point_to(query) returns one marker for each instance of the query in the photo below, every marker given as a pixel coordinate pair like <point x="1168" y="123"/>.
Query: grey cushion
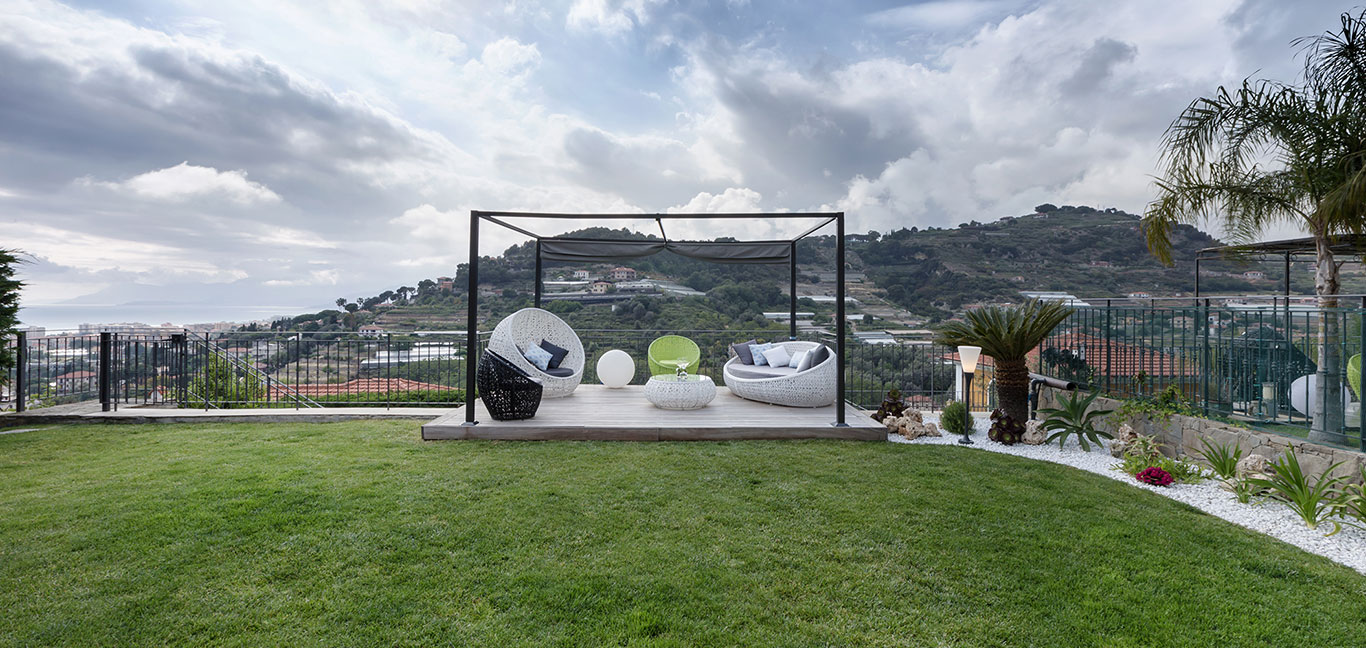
<point x="741" y="350"/>
<point x="819" y="354"/>
<point x="759" y="371"/>
<point x="557" y="354"/>
<point x="560" y="372"/>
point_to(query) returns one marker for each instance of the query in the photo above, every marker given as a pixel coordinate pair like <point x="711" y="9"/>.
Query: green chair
<point x="671" y="348"/>
<point x="1354" y="374"/>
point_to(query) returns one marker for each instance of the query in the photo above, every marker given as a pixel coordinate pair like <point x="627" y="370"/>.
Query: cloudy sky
<point x="261" y="155"/>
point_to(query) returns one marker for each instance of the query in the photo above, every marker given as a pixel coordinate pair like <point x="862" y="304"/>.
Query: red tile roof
<point x="1124" y="359"/>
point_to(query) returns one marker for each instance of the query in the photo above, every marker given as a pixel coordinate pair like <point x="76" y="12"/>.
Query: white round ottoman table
<point x="680" y="392"/>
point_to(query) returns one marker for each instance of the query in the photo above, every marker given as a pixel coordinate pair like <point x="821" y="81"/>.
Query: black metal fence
<point x="1253" y="363"/>
<point x="297" y="369"/>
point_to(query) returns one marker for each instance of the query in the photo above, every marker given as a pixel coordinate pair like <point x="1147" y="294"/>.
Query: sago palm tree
<point x="1008" y="334"/>
<point x="1268" y="154"/>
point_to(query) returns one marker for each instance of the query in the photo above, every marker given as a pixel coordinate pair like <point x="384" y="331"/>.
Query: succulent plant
<point x="893" y="405"/>
<point x="1004" y="428"/>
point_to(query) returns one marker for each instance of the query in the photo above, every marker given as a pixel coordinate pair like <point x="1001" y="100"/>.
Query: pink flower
<point x="1155" y="476"/>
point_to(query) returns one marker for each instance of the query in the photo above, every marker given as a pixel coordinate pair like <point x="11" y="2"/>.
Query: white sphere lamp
<point x="616" y="368"/>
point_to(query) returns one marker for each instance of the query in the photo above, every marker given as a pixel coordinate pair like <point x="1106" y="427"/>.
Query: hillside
<point x="906" y="277"/>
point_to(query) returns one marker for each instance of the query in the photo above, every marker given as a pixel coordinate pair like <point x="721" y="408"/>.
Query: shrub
<point x="1221" y="459"/>
<point x="1314" y="502"/>
<point x="1352" y="501"/>
<point x="1155" y="476"/>
<point x="1075" y="418"/>
<point x="1005" y="429"/>
<point x="1145" y="452"/>
<point x="954" y="420"/>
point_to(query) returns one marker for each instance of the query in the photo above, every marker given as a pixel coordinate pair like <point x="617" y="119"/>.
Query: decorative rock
<point x="1034" y="433"/>
<point x="1123" y="437"/>
<point x="1254" y="466"/>
<point x="911" y="426"/>
<point x="914" y="416"/>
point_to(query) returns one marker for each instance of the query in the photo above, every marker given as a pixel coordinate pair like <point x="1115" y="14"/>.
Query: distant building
<point x="33" y="331"/>
<point x="581" y="274"/>
<point x="1048" y="295"/>
<point x="1254" y="275"/>
<point x="827" y="299"/>
<point x="76" y="380"/>
<point x="783" y="316"/>
<point x="635" y="286"/>
<point x="621" y="273"/>
<point x="371" y="330"/>
<point x="1139" y="295"/>
<point x="445" y="283"/>
<point x="874" y="337"/>
<point x="600" y="287"/>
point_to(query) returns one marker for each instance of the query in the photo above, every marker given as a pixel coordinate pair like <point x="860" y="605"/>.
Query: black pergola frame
<point x="1348" y="247"/>
<point x="498" y="218"/>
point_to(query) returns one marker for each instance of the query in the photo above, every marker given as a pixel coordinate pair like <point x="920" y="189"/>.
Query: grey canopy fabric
<point x="595" y="250"/>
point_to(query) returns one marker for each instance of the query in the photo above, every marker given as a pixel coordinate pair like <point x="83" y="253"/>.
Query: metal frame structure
<point x="501" y="218"/>
<point x="1345" y="247"/>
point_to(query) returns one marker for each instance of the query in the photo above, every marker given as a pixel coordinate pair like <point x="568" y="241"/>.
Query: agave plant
<point x="1314" y="502"/>
<point x="1008" y="334"/>
<point x="1075" y="417"/>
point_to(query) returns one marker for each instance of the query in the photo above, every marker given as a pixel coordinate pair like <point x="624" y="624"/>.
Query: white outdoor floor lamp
<point x="967" y="356"/>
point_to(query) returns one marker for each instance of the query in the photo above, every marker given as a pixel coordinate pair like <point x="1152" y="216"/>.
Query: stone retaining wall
<point x="1181" y="436"/>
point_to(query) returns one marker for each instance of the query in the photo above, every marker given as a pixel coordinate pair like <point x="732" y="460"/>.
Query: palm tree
<point x="1008" y="334"/>
<point x="1268" y="154"/>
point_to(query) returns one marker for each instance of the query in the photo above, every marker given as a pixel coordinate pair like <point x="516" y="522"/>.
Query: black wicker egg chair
<point x="509" y="394"/>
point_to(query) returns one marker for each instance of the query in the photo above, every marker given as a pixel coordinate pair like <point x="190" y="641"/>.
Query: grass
<point x="359" y="534"/>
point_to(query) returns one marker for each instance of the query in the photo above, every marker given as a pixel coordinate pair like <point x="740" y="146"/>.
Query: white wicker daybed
<point x="529" y="326"/>
<point x="814" y="387"/>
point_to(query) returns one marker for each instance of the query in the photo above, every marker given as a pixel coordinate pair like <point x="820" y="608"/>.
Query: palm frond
<point x="1006" y="333"/>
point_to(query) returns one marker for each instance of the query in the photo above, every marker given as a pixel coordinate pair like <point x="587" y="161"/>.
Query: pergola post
<point x="840" y="324"/>
<point x="472" y="321"/>
<point x="792" y="296"/>
<point x="538" y="273"/>
<point x="1287" y="274"/>
<point x="1197" y="276"/>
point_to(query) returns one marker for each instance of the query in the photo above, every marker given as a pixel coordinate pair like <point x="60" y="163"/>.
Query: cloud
<point x="938" y="14"/>
<point x="610" y="17"/>
<point x="732" y="200"/>
<point x="507" y="56"/>
<point x="353" y="139"/>
<point x="185" y="181"/>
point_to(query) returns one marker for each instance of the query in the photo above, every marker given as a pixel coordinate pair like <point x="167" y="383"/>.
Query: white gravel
<point x="1347" y="547"/>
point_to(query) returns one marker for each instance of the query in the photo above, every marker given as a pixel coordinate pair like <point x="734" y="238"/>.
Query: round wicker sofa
<point x="814" y="387"/>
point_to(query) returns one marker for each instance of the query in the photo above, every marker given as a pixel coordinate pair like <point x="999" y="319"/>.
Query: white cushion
<point x="805" y="362"/>
<point x="777" y="357"/>
<point x="796" y="360"/>
<point x="741" y="370"/>
<point x="537" y="356"/>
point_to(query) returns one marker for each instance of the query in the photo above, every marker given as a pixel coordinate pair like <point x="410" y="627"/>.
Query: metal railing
<point x="330" y="369"/>
<point x="1235" y="358"/>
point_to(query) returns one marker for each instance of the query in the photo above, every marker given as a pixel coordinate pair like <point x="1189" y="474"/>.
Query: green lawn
<point x="360" y="534"/>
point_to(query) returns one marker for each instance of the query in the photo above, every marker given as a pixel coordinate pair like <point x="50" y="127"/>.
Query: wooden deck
<point x="594" y="412"/>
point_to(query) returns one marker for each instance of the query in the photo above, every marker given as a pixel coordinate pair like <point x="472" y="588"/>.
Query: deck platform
<point x="594" y="412"/>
